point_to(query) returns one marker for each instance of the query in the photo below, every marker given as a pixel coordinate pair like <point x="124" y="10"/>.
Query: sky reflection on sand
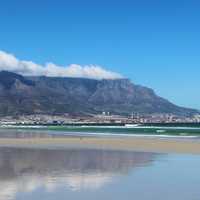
<point x="78" y="174"/>
<point x="26" y="171"/>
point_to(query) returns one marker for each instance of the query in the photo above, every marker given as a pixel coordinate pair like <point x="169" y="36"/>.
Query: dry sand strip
<point x="135" y="144"/>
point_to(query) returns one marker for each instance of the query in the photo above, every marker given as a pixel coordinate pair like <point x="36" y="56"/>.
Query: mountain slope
<point x="47" y="95"/>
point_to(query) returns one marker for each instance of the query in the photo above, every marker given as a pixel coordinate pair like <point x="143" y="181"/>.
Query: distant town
<point x="103" y="118"/>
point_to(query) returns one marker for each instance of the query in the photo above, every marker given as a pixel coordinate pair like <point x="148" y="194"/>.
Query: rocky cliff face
<point x="45" y="95"/>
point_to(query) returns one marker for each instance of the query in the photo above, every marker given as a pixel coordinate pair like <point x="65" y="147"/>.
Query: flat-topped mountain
<point x="51" y="95"/>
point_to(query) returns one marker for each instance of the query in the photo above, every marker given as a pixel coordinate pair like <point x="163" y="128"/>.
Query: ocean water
<point x="182" y="131"/>
<point x="177" y="130"/>
<point x="82" y="174"/>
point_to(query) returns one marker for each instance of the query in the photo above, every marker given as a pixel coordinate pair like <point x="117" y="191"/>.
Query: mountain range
<point x="79" y="96"/>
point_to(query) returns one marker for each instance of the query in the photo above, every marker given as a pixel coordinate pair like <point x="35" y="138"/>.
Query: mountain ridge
<point x="55" y="95"/>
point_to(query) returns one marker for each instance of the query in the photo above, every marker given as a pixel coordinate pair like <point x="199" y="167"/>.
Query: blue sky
<point x="154" y="43"/>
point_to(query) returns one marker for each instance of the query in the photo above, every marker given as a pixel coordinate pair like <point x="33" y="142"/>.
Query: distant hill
<point x="49" y="95"/>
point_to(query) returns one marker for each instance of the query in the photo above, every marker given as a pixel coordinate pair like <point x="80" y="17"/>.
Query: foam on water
<point x="145" y="127"/>
<point x="103" y="134"/>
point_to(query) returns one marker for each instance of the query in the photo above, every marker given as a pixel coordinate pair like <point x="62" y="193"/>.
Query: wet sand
<point x="157" y="145"/>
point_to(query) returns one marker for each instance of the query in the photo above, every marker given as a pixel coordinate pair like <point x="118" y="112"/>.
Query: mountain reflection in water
<point x="26" y="170"/>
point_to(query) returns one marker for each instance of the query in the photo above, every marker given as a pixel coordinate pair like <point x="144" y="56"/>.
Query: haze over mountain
<point x="58" y="95"/>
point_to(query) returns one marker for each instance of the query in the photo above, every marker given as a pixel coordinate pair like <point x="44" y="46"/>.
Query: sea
<point x="180" y="130"/>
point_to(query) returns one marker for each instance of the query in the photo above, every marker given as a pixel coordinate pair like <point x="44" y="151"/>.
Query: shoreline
<point x="156" y="145"/>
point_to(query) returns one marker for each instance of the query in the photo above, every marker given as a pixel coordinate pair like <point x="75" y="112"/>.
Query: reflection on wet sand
<point x="25" y="170"/>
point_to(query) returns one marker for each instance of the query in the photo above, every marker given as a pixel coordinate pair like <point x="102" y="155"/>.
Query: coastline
<point x="157" y="145"/>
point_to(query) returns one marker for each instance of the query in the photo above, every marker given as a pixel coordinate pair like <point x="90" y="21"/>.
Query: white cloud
<point x="10" y="63"/>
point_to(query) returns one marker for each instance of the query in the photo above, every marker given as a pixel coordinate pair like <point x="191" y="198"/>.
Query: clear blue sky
<point x="153" y="42"/>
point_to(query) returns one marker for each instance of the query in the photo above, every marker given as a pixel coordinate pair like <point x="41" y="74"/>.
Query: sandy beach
<point x="158" y="145"/>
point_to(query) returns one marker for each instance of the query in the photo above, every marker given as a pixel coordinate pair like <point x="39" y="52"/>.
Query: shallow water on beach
<point x="38" y="174"/>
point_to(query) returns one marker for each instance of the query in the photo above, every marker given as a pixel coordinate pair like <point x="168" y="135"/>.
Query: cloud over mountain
<point x="28" y="68"/>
